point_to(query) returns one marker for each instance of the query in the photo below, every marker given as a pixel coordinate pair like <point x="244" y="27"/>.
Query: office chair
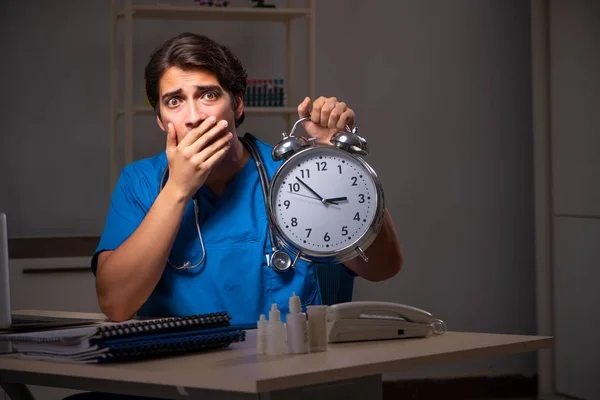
<point x="336" y="283"/>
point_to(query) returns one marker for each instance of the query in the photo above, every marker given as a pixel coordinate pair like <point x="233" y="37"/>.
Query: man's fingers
<point x="303" y="108"/>
<point x="215" y="158"/>
<point x="218" y="130"/>
<point x="198" y="131"/>
<point x="315" y="115"/>
<point x="327" y="113"/>
<point x="171" y="137"/>
<point x="347" y="118"/>
<point x="335" y="115"/>
<point x="217" y="155"/>
<point x="326" y="110"/>
<point x="207" y="152"/>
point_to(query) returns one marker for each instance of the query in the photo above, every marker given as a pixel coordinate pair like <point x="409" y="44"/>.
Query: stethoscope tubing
<point x="264" y="183"/>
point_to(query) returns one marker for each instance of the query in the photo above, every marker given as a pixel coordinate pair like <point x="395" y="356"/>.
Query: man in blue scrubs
<point x="152" y="259"/>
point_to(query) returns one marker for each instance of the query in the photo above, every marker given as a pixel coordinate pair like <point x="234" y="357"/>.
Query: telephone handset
<point x="374" y="320"/>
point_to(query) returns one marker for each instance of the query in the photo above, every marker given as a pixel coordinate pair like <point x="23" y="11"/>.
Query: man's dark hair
<point x="190" y="51"/>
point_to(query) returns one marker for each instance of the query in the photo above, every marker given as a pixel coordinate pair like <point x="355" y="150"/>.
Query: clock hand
<point x="312" y="191"/>
<point x="310" y="197"/>
<point x="334" y="199"/>
<point x="303" y="195"/>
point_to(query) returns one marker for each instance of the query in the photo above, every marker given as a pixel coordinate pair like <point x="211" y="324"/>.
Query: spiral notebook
<point x="130" y="340"/>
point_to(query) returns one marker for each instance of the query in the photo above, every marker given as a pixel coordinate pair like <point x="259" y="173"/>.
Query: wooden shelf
<point x="146" y="110"/>
<point x="271" y="110"/>
<point x="216" y="13"/>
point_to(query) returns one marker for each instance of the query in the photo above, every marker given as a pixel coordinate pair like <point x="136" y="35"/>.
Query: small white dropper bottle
<point x="261" y="335"/>
<point x="297" y="327"/>
<point x="276" y="333"/>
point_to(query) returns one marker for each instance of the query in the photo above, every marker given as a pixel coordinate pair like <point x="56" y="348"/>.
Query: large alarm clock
<point x="325" y="202"/>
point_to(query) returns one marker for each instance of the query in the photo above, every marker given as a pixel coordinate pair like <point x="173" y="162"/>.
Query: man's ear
<point x="160" y="124"/>
<point x="239" y="106"/>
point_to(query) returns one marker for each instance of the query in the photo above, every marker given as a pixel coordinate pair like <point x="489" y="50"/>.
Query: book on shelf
<point x="130" y="340"/>
<point x="265" y="93"/>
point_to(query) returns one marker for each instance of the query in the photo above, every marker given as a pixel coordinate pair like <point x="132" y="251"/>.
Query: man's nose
<point x="195" y="115"/>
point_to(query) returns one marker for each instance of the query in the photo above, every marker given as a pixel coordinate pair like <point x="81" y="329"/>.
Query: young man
<point x="186" y="232"/>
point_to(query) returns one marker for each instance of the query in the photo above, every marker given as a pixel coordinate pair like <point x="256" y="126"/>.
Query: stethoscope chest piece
<point x="280" y="260"/>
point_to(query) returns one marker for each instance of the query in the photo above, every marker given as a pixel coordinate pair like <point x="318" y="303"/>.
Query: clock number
<point x="286" y="204"/>
<point x="294" y="187"/>
<point x="340" y="169"/>
<point x="362" y="198"/>
<point x="307" y="173"/>
<point x="356" y="217"/>
<point x="294" y="221"/>
<point x="309" y="231"/>
<point x="326" y="237"/>
<point x="354" y="180"/>
<point x="344" y="231"/>
<point x="321" y="166"/>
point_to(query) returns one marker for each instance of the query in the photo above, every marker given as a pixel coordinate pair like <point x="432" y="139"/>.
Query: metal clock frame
<point x="350" y="251"/>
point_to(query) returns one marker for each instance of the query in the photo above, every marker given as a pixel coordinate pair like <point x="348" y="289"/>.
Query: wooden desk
<point x="346" y="370"/>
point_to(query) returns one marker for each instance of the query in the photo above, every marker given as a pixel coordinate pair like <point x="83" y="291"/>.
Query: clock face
<point x="324" y="200"/>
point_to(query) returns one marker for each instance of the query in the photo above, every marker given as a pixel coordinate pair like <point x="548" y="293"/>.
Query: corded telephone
<point x="373" y="320"/>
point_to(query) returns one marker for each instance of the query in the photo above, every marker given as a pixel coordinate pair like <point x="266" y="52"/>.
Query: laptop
<point x="23" y="323"/>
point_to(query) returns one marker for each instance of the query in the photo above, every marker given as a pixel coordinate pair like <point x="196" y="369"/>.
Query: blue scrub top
<point x="235" y="276"/>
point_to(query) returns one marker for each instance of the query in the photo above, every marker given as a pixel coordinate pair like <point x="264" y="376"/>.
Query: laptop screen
<point x="24" y="322"/>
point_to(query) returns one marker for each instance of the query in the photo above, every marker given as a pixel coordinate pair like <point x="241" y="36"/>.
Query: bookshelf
<point x="126" y="12"/>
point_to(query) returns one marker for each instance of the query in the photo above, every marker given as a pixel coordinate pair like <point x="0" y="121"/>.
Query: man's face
<point x="188" y="97"/>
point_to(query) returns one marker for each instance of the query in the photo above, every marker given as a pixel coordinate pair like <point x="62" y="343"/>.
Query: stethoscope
<point x="279" y="260"/>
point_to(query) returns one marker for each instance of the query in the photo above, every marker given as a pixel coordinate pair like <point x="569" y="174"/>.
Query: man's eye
<point x="210" y="96"/>
<point x="173" y="102"/>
